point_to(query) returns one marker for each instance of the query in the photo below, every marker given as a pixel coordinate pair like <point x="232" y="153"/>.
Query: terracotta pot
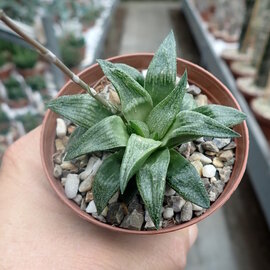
<point x="242" y="69"/>
<point x="244" y="85"/>
<point x="211" y="86"/>
<point x="231" y="55"/>
<point x="5" y="71"/>
<point x="262" y="120"/>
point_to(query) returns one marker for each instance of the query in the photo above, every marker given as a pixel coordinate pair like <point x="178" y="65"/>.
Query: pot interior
<point x="210" y="86"/>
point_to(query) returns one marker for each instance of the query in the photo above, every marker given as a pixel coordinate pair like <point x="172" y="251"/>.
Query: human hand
<point x="39" y="232"/>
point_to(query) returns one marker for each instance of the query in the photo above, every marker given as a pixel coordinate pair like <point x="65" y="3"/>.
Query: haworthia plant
<point x="156" y="116"/>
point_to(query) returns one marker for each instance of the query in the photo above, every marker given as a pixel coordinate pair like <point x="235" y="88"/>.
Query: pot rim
<point x="194" y="220"/>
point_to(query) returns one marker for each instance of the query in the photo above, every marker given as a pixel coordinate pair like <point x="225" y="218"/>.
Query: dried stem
<point x="50" y="57"/>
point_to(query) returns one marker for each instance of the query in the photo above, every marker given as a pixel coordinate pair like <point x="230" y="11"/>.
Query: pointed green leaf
<point x="225" y="115"/>
<point x="138" y="127"/>
<point x="151" y="181"/>
<point x="75" y="136"/>
<point x="188" y="103"/>
<point x="132" y="72"/>
<point x="190" y="125"/>
<point x="109" y="133"/>
<point x="161" y="75"/>
<point x="106" y="181"/>
<point x="185" y="180"/>
<point x="80" y="109"/>
<point x="137" y="151"/>
<point x="162" y="116"/>
<point x="136" y="103"/>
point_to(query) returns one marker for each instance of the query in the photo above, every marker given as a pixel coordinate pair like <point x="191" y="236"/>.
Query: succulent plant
<point x="156" y="116"/>
<point x="25" y="58"/>
<point x="36" y="82"/>
<point x="71" y="56"/>
<point x="73" y="41"/>
<point x="14" y="89"/>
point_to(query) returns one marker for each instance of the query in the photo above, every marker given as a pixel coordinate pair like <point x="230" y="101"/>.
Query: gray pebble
<point x="230" y="146"/>
<point x="91" y="208"/>
<point x="72" y="185"/>
<point x="177" y="203"/>
<point x="225" y="173"/>
<point x="57" y="171"/>
<point x="186" y="212"/>
<point x="229" y="162"/>
<point x="98" y="217"/>
<point x="226" y="155"/>
<point x="133" y="221"/>
<point x="194" y="90"/>
<point x="169" y="191"/>
<point x="210" y="146"/>
<point x="135" y="204"/>
<point x="63" y="181"/>
<point x="168" y="213"/>
<point x="184" y="149"/>
<point x="196" y="207"/>
<point x="200" y="140"/>
<point x="57" y="157"/>
<point x="78" y="199"/>
<point x="115" y="213"/>
<point x="114" y="198"/>
<point x="220" y="143"/>
<point x="86" y="184"/>
<point x="69" y="166"/>
<point x="83" y="204"/>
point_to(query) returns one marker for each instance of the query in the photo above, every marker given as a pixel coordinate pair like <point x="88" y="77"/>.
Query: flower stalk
<point x="52" y="58"/>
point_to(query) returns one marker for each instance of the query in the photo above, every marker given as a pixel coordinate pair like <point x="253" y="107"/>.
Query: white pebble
<point x="61" y="128"/>
<point x="86" y="184"/>
<point x="168" y="213"/>
<point x="72" y="185"/>
<point x="169" y="192"/>
<point x="209" y="171"/>
<point x="91" y="208"/>
<point x="91" y="168"/>
<point x="199" y="156"/>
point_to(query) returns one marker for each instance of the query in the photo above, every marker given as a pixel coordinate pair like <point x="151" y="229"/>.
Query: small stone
<point x="196" y="207"/>
<point x="57" y="171"/>
<point x="199" y="213"/>
<point x="115" y="213"/>
<point x="167" y="223"/>
<point x="149" y="225"/>
<point x="82" y="161"/>
<point x="213" y="180"/>
<point x="210" y="146"/>
<point x="105" y="211"/>
<point x="209" y="153"/>
<point x="209" y="171"/>
<point x="186" y="212"/>
<point x="218" y="163"/>
<point x="169" y="191"/>
<point x="89" y="196"/>
<point x="91" y="168"/>
<point x="198" y="166"/>
<point x="201" y="100"/>
<point x="177" y="203"/>
<point x="135" y="204"/>
<point x="206" y="183"/>
<point x="91" y="208"/>
<point x="225" y="174"/>
<point x="70" y="129"/>
<point x="199" y="156"/>
<point x="63" y="181"/>
<point x="230" y="146"/>
<point x="200" y="140"/>
<point x="226" y="155"/>
<point x="98" y="217"/>
<point x="72" y="185"/>
<point x="220" y="143"/>
<point x="59" y="145"/>
<point x="168" y="213"/>
<point x="61" y="128"/>
<point x="57" y="157"/>
<point x="65" y="140"/>
<point x="177" y="218"/>
<point x="229" y="162"/>
<point x="200" y="148"/>
<point x="114" y="198"/>
<point x="78" y="199"/>
<point x="68" y="166"/>
<point x="83" y="204"/>
<point x="184" y="149"/>
<point x="133" y="221"/>
<point x="213" y="194"/>
<point x="219" y="185"/>
<point x="192" y="148"/>
<point x="194" y="90"/>
<point x="86" y="184"/>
